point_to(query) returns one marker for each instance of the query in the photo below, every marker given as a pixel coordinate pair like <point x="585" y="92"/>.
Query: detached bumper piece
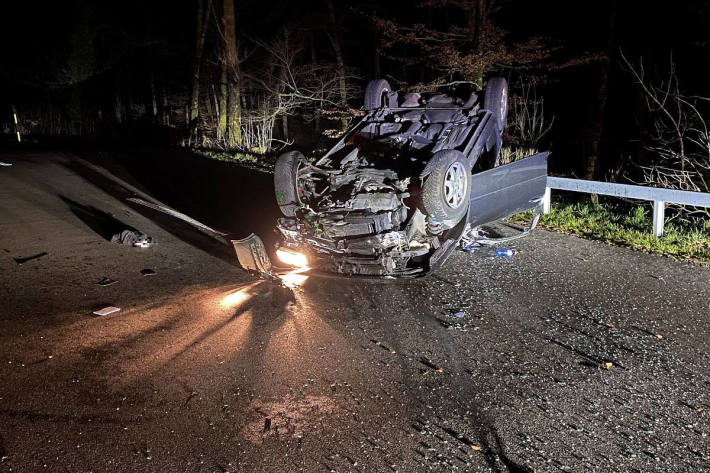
<point x="252" y="256"/>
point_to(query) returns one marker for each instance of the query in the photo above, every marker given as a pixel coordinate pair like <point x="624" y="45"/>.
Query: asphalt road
<point x="571" y="356"/>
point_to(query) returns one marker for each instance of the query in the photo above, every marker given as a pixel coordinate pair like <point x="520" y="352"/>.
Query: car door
<point x="508" y="189"/>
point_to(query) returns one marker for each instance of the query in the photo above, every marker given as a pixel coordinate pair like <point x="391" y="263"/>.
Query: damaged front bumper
<point x="322" y="261"/>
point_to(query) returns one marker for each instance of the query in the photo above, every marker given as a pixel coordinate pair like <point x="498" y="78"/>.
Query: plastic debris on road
<point x="505" y="253"/>
<point x="459" y="314"/>
<point x="106" y="310"/>
<point x="106" y="282"/>
<point x="133" y="238"/>
<point x="471" y="247"/>
<point x="148" y="272"/>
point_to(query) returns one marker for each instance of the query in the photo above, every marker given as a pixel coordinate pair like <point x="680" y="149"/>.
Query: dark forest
<point x="259" y="77"/>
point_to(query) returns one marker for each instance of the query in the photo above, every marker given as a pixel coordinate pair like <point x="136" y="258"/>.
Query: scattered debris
<point x="459" y="314"/>
<point x="429" y="364"/>
<point x="106" y="281"/>
<point x="189" y="398"/>
<point x="608" y="364"/>
<point x="22" y="261"/>
<point x="5" y="164"/>
<point x="106" y="310"/>
<point x="475" y="447"/>
<point x="148" y="272"/>
<point x="133" y="238"/>
<point x="506" y="253"/>
<point x="659" y="336"/>
<point x="471" y="247"/>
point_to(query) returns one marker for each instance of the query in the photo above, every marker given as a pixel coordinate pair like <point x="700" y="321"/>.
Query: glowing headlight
<point x="292" y="258"/>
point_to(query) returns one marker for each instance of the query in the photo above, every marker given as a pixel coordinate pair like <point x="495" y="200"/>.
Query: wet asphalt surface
<point x="571" y="356"/>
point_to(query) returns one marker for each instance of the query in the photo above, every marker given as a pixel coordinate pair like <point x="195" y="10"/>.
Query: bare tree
<point x="527" y="115"/>
<point x="287" y="86"/>
<point x="457" y="53"/>
<point x="679" y="139"/>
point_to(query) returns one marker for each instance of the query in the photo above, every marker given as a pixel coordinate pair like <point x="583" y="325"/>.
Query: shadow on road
<point x="227" y="197"/>
<point x="103" y="223"/>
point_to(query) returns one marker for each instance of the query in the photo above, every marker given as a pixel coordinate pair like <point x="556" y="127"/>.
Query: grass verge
<point x="618" y="225"/>
<point x="245" y="159"/>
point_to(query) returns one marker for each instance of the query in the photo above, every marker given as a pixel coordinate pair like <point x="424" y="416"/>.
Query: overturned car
<point x="398" y="192"/>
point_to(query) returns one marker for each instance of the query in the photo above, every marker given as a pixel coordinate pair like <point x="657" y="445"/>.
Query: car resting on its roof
<point x="397" y="193"/>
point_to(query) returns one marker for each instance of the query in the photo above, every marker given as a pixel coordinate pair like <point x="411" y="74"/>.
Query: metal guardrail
<point x="658" y="196"/>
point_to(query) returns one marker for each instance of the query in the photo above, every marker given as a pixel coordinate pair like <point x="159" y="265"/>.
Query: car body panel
<point x="506" y="190"/>
<point x="252" y="255"/>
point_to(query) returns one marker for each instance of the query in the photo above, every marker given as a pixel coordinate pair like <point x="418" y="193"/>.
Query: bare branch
<point x="679" y="139"/>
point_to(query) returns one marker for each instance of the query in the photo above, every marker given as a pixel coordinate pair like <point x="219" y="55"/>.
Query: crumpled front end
<point x="353" y="221"/>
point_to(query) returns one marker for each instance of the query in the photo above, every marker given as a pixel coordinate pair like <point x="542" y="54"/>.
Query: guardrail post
<point x="659" y="208"/>
<point x="546" y="201"/>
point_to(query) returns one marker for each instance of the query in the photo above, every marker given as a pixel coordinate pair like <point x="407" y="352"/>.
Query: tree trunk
<point x="231" y="75"/>
<point x="222" y="105"/>
<point x="153" y="98"/>
<point x="151" y="106"/>
<point x="337" y="49"/>
<point x="164" y="109"/>
<point x="118" y="115"/>
<point x="477" y="17"/>
<point x="203" y="13"/>
<point x="591" y="170"/>
<point x="481" y="15"/>
<point x="284" y="126"/>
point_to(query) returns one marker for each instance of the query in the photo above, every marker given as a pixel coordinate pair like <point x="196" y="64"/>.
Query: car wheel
<point x="286" y="181"/>
<point x="376" y="94"/>
<point x="496" y="100"/>
<point x="447" y="187"/>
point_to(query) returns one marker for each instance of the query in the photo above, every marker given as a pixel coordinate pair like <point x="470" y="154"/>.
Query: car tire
<point x="447" y="187"/>
<point x="286" y="181"/>
<point x="496" y="100"/>
<point x="375" y="94"/>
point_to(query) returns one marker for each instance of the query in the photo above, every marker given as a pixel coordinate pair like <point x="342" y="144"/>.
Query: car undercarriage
<point x="395" y="195"/>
